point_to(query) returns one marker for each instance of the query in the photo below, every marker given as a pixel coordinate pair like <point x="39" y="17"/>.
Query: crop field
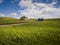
<point x="45" y="32"/>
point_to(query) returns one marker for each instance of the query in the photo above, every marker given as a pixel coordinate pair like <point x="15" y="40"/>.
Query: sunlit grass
<point x="46" y="32"/>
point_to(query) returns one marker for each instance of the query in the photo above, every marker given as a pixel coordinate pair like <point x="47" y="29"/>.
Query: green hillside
<point x="45" y="32"/>
<point x="7" y="20"/>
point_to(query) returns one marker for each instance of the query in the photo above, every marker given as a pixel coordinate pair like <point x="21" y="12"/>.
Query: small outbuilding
<point x="24" y="18"/>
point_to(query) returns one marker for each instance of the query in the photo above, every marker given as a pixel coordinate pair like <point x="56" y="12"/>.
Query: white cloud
<point x="2" y="15"/>
<point x="13" y="14"/>
<point x="13" y="1"/>
<point x="37" y="10"/>
<point x="1" y="1"/>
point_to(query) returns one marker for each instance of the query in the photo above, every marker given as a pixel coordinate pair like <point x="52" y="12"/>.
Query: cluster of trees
<point x="40" y="19"/>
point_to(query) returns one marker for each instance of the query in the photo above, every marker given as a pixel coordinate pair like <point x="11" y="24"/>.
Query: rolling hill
<point x="46" y="32"/>
<point x="7" y="20"/>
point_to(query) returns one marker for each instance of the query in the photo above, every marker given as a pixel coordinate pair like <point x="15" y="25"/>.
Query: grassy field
<point x="46" y="32"/>
<point x="7" y="20"/>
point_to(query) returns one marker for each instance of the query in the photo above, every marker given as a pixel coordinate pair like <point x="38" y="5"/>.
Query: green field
<point x="45" y="32"/>
<point x="7" y="20"/>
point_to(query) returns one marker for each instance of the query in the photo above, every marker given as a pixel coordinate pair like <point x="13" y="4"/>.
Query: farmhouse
<point x="24" y="18"/>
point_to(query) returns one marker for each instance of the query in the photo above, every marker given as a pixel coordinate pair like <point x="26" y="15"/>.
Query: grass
<point x="46" y="32"/>
<point x="7" y="20"/>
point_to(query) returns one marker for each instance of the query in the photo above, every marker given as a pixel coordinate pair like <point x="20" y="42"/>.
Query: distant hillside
<point x="7" y="20"/>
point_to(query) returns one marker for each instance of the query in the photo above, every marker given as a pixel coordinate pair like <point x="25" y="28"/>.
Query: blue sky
<point x="7" y="7"/>
<point x="30" y="8"/>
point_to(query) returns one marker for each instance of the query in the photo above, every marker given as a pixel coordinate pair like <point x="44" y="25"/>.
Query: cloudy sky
<point x="30" y="8"/>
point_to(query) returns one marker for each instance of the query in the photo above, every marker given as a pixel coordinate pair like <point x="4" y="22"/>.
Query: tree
<point x="40" y="19"/>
